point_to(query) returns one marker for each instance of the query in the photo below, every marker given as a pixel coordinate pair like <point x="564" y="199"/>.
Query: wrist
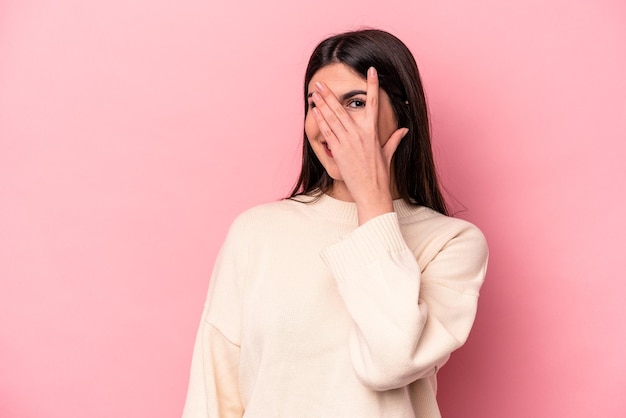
<point x="370" y="208"/>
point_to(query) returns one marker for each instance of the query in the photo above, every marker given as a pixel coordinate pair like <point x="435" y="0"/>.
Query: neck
<point x="339" y="191"/>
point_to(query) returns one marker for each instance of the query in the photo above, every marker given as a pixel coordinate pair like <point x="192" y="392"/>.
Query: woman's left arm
<point x="407" y="318"/>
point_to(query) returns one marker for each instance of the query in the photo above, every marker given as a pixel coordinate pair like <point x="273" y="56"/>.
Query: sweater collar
<point x="345" y="212"/>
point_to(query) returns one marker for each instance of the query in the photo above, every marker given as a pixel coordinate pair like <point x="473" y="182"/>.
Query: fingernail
<point x="371" y="72"/>
<point x="320" y="86"/>
<point x="406" y="131"/>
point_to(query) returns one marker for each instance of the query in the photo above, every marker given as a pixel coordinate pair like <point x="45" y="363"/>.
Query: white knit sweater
<point x="309" y="315"/>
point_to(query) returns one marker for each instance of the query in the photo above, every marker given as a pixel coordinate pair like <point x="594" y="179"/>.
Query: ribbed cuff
<point x="375" y="238"/>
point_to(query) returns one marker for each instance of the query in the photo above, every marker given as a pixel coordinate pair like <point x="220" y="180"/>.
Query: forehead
<point x="338" y="77"/>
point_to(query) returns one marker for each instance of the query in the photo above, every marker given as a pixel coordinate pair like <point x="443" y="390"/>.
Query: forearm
<point x="406" y="324"/>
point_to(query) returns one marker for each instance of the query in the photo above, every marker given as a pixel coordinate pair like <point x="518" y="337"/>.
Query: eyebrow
<point x="347" y="95"/>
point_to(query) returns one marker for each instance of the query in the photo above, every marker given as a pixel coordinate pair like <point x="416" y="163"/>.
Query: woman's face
<point x="349" y="87"/>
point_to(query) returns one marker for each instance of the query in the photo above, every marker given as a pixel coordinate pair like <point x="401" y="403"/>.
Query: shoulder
<point x="270" y="211"/>
<point x="267" y="217"/>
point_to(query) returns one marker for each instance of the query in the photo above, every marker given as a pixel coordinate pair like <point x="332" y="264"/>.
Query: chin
<point x="333" y="172"/>
<point x="329" y="166"/>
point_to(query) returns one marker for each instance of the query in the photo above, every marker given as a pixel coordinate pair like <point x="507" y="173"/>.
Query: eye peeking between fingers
<point x="352" y="104"/>
<point x="355" y="103"/>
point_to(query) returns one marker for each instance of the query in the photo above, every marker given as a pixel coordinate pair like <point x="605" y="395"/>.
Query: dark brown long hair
<point x="412" y="164"/>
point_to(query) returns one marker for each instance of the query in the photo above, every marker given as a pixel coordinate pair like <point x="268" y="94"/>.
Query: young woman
<point x="345" y="299"/>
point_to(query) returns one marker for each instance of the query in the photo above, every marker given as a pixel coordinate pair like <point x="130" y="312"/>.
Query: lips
<point x="328" y="151"/>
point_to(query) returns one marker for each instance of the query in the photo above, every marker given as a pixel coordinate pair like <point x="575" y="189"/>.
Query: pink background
<point x="132" y="132"/>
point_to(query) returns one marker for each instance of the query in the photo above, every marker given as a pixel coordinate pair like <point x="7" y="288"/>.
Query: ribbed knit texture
<point x="310" y="315"/>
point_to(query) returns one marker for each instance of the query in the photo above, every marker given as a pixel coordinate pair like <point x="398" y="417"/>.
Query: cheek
<point x="385" y="129"/>
<point x="310" y="126"/>
<point x="387" y="124"/>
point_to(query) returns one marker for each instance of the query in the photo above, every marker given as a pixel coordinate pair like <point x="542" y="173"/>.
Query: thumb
<point x="392" y="143"/>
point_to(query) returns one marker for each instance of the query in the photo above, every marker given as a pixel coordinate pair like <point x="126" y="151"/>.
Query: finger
<point x="324" y="127"/>
<point x="326" y="118"/>
<point x="330" y="106"/>
<point x="371" y="106"/>
<point x="392" y="143"/>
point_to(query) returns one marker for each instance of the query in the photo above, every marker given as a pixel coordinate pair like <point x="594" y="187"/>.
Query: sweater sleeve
<point x="407" y="318"/>
<point x="214" y="378"/>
